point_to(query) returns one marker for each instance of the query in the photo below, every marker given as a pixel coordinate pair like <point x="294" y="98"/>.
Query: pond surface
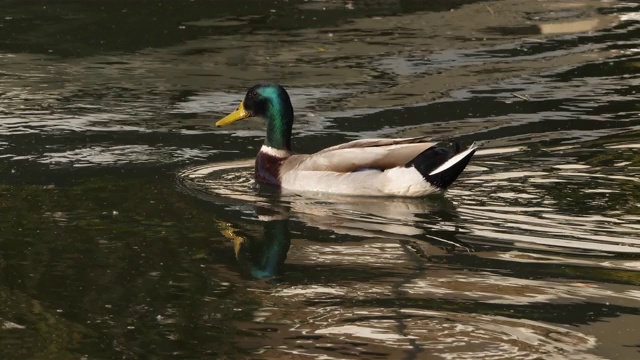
<point x="130" y="226"/>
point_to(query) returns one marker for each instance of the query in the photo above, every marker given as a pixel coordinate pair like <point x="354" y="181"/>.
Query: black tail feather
<point x="432" y="158"/>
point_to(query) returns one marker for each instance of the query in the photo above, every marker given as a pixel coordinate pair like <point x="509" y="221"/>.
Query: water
<point x="131" y="228"/>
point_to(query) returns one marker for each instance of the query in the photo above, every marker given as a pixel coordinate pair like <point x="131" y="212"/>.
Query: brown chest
<point x="267" y="169"/>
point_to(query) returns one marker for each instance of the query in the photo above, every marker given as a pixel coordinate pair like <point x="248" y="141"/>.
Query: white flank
<point x="399" y="181"/>
<point x="449" y="163"/>
<point x="274" y="152"/>
<point x="407" y="181"/>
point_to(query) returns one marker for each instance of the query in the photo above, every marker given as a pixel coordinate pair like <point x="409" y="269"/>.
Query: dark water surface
<point x="130" y="227"/>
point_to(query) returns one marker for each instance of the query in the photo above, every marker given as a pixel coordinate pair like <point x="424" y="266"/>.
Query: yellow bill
<point x="239" y="114"/>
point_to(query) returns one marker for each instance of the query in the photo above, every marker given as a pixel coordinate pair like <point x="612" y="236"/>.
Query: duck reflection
<point x="316" y="217"/>
<point x="261" y="253"/>
<point x="261" y="257"/>
<point x="399" y="218"/>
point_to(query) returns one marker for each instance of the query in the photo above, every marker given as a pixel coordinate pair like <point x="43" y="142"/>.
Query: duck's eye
<point x="253" y="93"/>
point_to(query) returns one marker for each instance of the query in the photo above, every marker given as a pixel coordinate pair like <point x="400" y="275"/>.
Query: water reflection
<point x="339" y="319"/>
<point x="261" y="256"/>
<point x="403" y="286"/>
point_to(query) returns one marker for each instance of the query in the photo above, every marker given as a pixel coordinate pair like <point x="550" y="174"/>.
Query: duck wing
<point x="361" y="154"/>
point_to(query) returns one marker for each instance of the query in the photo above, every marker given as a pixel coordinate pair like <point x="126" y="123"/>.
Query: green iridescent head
<point x="271" y="102"/>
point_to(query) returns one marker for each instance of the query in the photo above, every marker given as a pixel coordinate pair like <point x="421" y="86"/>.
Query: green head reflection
<point x="261" y="257"/>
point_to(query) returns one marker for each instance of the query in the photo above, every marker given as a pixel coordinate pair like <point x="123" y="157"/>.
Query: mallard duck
<point x="370" y="167"/>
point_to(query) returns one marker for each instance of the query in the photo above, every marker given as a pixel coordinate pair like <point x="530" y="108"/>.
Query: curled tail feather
<point x="440" y="166"/>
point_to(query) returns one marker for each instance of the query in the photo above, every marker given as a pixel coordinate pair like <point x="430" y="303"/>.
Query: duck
<point x="399" y="167"/>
